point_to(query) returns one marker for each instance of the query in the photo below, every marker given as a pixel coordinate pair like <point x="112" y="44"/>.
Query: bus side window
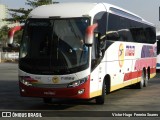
<point x="138" y="35"/>
<point x="150" y="34"/>
<point x="101" y="19"/>
<point x="120" y="25"/>
<point x="99" y="36"/>
<point x="125" y="35"/>
<point x="100" y="33"/>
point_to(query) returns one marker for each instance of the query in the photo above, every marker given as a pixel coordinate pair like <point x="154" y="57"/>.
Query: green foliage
<point x="21" y="13"/>
<point x="18" y="15"/>
<point x="3" y="33"/>
<point x="18" y="36"/>
<point x="36" y="3"/>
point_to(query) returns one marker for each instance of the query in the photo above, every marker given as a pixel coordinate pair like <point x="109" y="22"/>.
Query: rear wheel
<point x="140" y="84"/>
<point x="146" y="80"/>
<point x="101" y="99"/>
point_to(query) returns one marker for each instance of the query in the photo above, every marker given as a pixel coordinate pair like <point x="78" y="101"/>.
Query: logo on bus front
<point x="121" y="55"/>
<point x="55" y="80"/>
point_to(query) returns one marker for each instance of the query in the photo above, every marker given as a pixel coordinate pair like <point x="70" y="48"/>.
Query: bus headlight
<point x="78" y="82"/>
<point x="25" y="82"/>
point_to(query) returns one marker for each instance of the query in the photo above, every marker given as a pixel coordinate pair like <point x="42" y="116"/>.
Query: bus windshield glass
<point x="54" y="46"/>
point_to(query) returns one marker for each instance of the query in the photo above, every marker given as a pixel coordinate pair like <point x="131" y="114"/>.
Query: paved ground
<point x="127" y="99"/>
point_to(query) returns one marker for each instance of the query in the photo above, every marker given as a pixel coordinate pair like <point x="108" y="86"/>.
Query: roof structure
<point x="67" y="10"/>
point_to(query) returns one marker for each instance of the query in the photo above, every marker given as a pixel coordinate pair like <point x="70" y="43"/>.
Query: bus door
<point x="97" y="52"/>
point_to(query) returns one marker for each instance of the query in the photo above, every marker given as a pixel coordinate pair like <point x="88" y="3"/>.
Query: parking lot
<point x="127" y="99"/>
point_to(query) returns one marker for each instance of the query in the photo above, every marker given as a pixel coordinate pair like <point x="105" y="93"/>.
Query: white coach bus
<point x="84" y="51"/>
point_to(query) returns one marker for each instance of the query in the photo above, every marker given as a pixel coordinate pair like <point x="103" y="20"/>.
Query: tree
<point x="3" y="34"/>
<point x="37" y="3"/>
<point x="21" y="14"/>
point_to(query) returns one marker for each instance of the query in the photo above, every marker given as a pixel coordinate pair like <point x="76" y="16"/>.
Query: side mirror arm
<point x="89" y="35"/>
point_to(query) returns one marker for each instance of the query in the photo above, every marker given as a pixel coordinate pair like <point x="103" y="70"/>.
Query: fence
<point x="9" y="56"/>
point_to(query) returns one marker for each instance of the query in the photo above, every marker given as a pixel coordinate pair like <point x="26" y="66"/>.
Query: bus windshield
<point x="54" y="46"/>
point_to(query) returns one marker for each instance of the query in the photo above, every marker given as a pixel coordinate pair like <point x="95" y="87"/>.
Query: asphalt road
<point x="126" y="99"/>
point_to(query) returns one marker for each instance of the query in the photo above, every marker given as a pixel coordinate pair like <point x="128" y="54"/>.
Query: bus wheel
<point x="140" y="84"/>
<point x="101" y="99"/>
<point x="146" y="80"/>
<point x="47" y="100"/>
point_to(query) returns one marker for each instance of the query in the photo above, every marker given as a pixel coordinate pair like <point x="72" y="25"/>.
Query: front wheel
<point x="101" y="99"/>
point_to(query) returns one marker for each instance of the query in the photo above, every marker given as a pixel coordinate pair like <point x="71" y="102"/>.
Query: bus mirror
<point x="112" y="35"/>
<point x="89" y="35"/>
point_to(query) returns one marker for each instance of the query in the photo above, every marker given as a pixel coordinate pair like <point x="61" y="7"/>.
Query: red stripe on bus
<point x="132" y="75"/>
<point x="152" y="70"/>
<point x="136" y="74"/>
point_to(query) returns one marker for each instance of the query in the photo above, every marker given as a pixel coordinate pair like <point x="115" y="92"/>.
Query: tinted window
<point x="138" y="35"/>
<point x="101" y="19"/>
<point x="54" y="46"/>
<point x="120" y="25"/>
<point x="150" y="34"/>
<point x="100" y="33"/>
<point x="130" y="30"/>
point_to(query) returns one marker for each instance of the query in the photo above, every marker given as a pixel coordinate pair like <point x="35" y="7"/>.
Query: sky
<point x="147" y="9"/>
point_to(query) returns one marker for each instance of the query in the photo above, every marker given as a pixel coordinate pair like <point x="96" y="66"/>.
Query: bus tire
<point x="146" y="80"/>
<point x="101" y="99"/>
<point x="140" y="84"/>
<point x="47" y="100"/>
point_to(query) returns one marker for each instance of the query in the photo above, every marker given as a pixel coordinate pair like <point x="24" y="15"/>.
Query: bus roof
<point x="62" y="10"/>
<point x="76" y="9"/>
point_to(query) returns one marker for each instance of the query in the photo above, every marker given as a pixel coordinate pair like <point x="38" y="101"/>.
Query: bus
<point x="158" y="51"/>
<point x="84" y="51"/>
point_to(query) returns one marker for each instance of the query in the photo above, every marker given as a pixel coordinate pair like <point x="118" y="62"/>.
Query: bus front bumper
<point x="79" y="92"/>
